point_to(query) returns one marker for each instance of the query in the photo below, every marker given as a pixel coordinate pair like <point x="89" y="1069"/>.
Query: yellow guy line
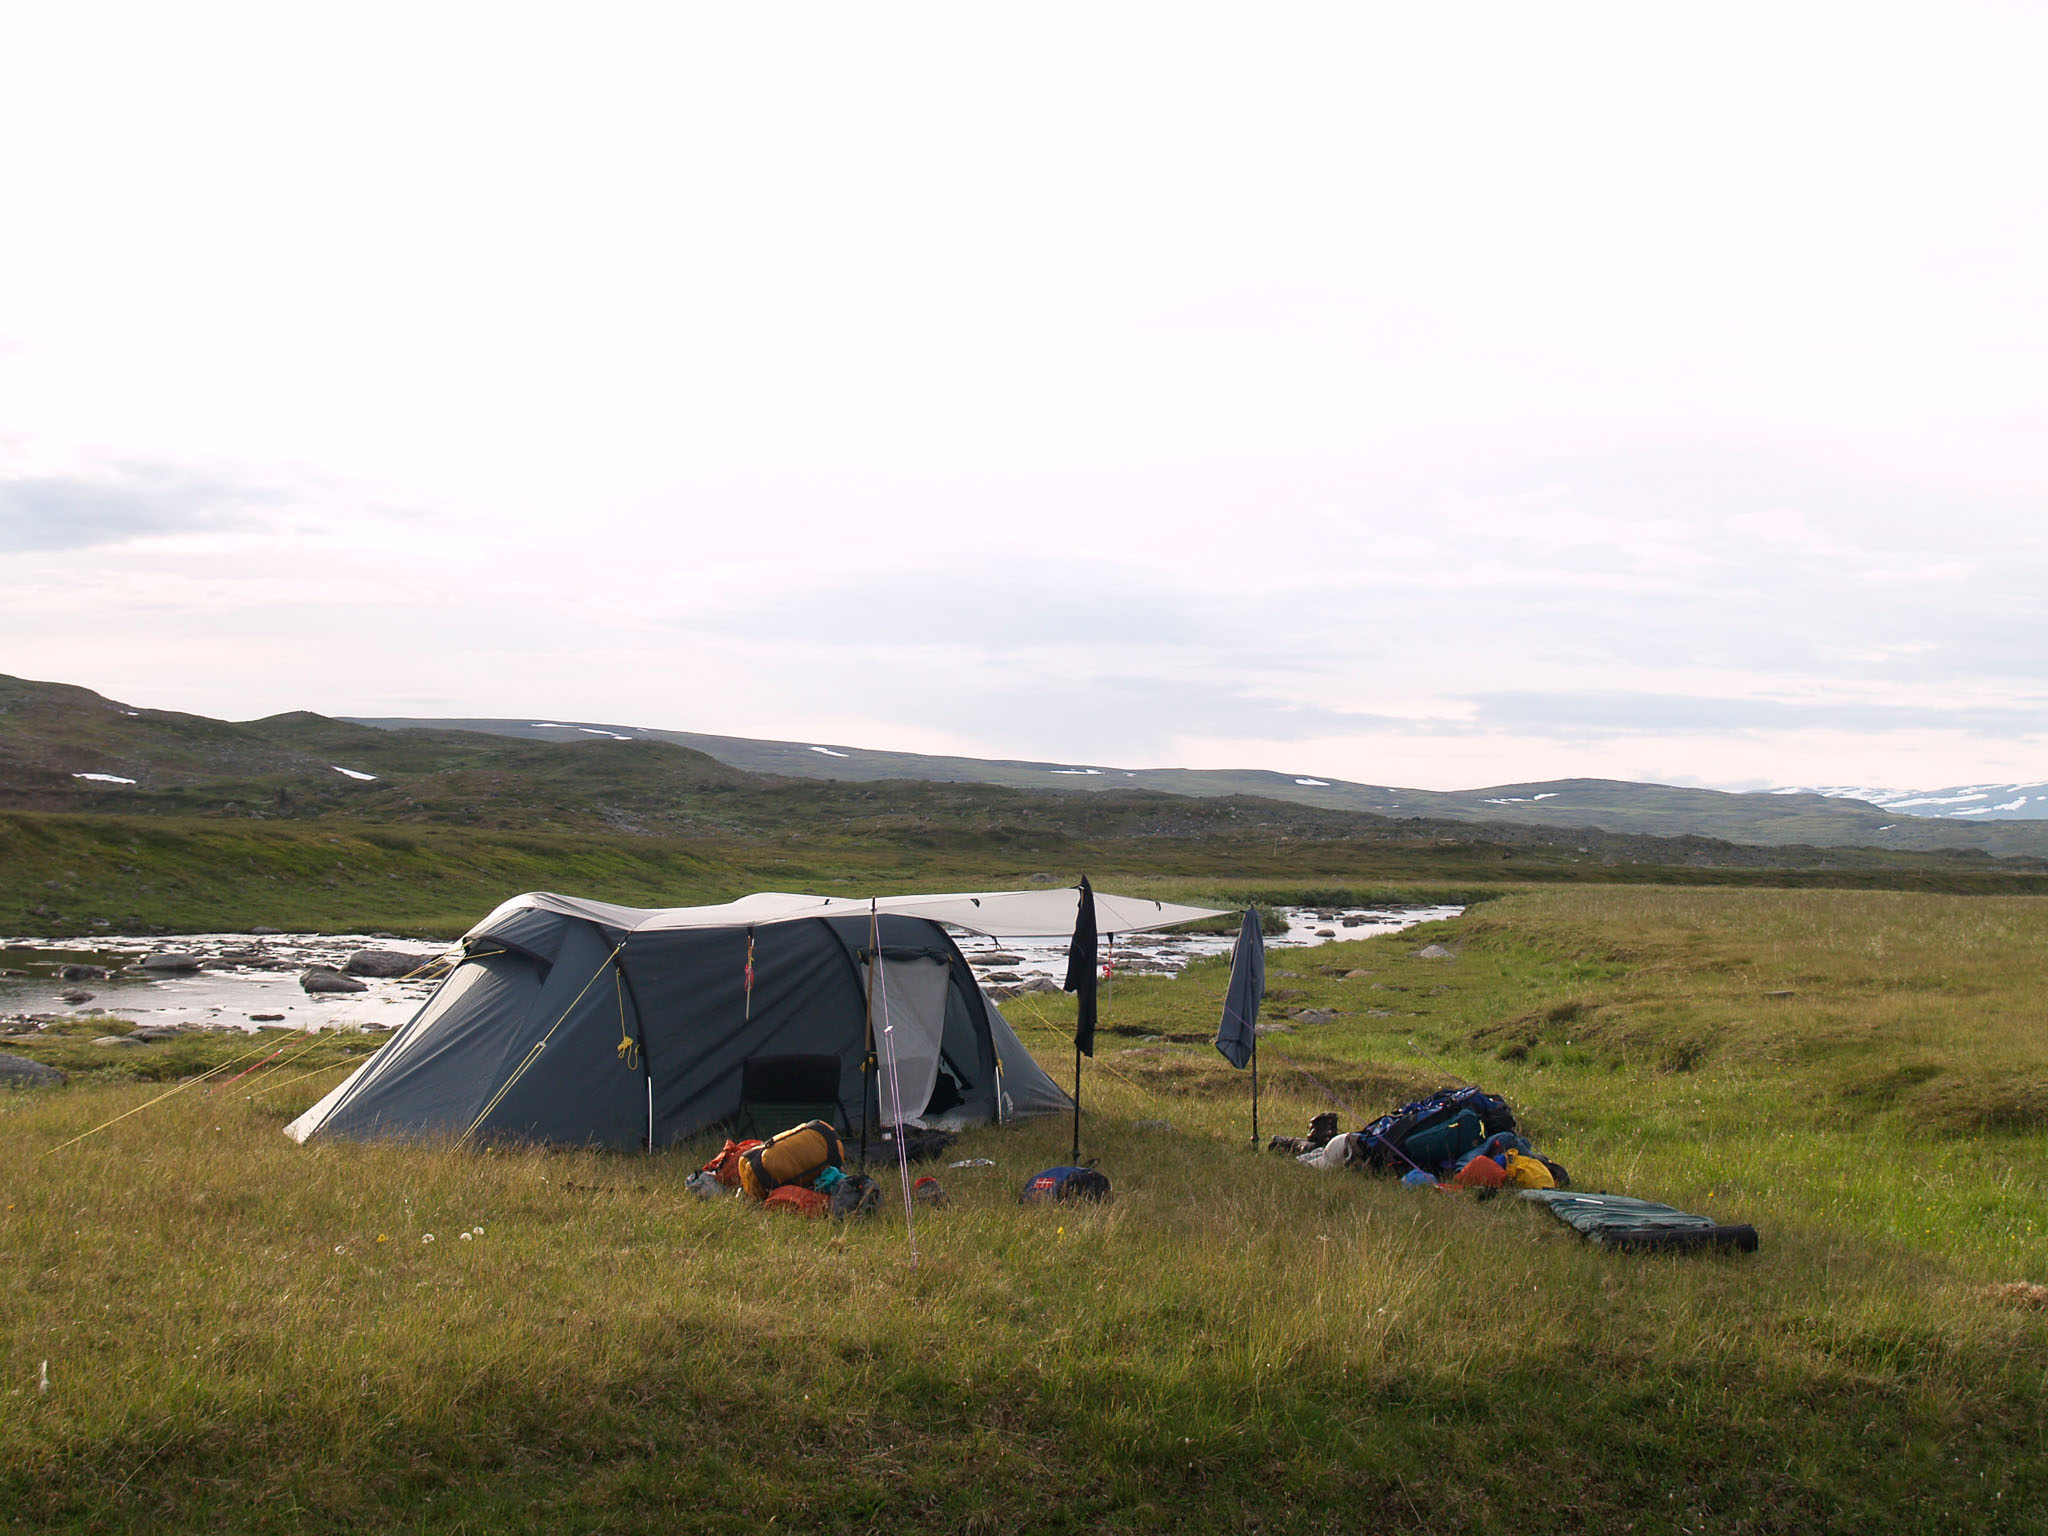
<point x="190" y="1082"/>
<point x="538" y="1045"/>
<point x="295" y="1055"/>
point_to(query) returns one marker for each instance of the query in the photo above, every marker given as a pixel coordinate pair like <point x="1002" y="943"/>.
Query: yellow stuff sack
<point x="795" y="1156"/>
<point x="1523" y="1173"/>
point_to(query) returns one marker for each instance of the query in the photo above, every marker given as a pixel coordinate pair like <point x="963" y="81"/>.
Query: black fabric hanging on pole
<point x="1084" y="976"/>
<point x="1237" y="1035"/>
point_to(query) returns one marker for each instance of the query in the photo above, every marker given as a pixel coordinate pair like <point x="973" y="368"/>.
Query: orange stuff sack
<point x="1528" y="1173"/>
<point x="797" y="1199"/>
<point x="794" y="1156"/>
<point x="726" y="1166"/>
<point x="1481" y="1172"/>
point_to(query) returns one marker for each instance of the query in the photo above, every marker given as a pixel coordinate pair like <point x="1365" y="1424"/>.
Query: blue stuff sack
<point x="1065" y="1183"/>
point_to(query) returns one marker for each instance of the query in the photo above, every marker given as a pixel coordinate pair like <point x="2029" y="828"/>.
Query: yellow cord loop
<point x="629" y="1048"/>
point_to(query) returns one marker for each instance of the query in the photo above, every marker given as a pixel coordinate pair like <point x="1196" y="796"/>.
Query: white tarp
<point x="1041" y="914"/>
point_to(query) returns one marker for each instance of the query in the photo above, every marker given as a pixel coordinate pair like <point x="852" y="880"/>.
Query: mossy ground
<point x="246" y="1334"/>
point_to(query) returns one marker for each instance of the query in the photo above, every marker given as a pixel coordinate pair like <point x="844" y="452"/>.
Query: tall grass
<point x="245" y="1333"/>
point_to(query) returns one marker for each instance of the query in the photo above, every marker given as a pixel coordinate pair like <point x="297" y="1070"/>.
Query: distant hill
<point x="1959" y="802"/>
<point x="1830" y="818"/>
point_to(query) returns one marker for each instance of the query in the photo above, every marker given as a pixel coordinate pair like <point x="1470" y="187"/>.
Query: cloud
<point x="85" y="511"/>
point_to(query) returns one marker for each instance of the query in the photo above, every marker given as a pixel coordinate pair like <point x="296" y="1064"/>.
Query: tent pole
<point x="867" y="1051"/>
<point x="867" y="1061"/>
<point x="1077" y="1101"/>
<point x="1255" y="1084"/>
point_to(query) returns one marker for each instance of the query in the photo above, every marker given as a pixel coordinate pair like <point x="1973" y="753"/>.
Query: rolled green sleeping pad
<point x="1624" y="1222"/>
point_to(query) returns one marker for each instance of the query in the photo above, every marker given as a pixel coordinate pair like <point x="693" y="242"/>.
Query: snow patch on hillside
<point x="2021" y="802"/>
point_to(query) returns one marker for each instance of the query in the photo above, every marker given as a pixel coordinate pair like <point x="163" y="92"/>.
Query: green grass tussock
<point x="246" y="1334"/>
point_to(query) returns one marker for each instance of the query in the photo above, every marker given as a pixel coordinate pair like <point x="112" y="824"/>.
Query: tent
<point x="567" y="1020"/>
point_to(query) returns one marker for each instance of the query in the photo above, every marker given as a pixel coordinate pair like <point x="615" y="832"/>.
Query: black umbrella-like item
<point x="1237" y="1036"/>
<point x="1083" y="978"/>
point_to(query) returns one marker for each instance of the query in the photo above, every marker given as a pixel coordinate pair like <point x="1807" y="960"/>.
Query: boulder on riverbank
<point x="321" y="978"/>
<point x="20" y="1072"/>
<point x="384" y="964"/>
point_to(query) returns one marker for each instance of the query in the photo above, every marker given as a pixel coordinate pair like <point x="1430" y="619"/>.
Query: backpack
<point x="726" y="1166"/>
<point x="856" y="1195"/>
<point x="1386" y="1138"/>
<point x="794" y="1156"/>
<point x="1446" y="1141"/>
<point x="1065" y="1183"/>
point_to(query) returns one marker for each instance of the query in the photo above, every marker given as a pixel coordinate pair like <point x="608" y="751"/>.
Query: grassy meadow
<point x="252" y="1336"/>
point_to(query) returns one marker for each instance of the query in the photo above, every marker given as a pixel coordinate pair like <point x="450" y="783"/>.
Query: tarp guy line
<point x="875" y="963"/>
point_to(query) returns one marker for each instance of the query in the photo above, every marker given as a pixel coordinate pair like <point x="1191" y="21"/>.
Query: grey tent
<point x="576" y="1021"/>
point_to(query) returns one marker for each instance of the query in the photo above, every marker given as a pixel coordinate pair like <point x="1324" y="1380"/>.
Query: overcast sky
<point x="1424" y="395"/>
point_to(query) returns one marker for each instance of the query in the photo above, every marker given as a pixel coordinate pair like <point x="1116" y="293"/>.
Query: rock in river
<point x="382" y="963"/>
<point x="171" y="962"/>
<point x="321" y="978"/>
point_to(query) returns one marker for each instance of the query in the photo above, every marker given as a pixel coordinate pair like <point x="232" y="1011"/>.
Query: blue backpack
<point x="1387" y="1139"/>
<point x="1065" y="1183"/>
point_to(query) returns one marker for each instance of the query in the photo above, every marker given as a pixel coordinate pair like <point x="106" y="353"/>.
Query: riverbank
<point x="77" y="876"/>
